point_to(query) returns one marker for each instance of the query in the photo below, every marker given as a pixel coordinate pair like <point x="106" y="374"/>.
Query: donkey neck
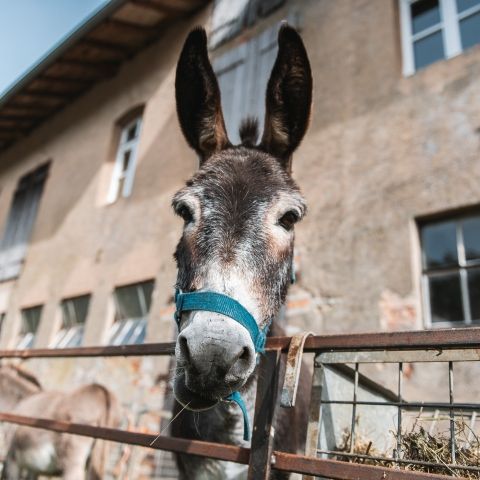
<point x="15" y="385"/>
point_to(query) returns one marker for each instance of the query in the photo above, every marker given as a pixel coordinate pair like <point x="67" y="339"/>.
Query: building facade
<point x="390" y="168"/>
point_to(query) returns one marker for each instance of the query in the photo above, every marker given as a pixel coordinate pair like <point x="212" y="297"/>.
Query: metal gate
<point x="279" y="375"/>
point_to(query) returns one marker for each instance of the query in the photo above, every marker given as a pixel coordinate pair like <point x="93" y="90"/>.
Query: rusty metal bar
<point x="422" y="339"/>
<point x="334" y="469"/>
<point x="401" y="460"/>
<point x="452" y="413"/>
<point x="394" y="356"/>
<point x="97" y="351"/>
<point x="398" y="450"/>
<point x="293" y="369"/>
<point x="408" y="405"/>
<point x="354" y="410"/>
<point x="315" y="412"/>
<point x="193" y="447"/>
<point x="283" y="461"/>
<point x="271" y="370"/>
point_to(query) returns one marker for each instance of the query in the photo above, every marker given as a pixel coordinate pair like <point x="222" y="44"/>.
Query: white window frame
<point x="118" y="174"/>
<point x="449" y="25"/>
<point x="68" y="333"/>
<point x="121" y="329"/>
<point x="27" y="338"/>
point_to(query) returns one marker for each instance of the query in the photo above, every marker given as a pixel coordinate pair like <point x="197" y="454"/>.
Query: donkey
<point x="42" y="452"/>
<point x="239" y="212"/>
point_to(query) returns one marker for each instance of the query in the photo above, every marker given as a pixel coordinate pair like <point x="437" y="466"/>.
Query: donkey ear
<point x="198" y="98"/>
<point x="289" y="97"/>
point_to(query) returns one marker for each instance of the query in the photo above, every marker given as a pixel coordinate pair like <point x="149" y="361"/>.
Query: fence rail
<point x="262" y="458"/>
<point x="423" y="339"/>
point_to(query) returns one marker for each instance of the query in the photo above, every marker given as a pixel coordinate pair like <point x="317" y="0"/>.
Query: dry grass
<point x="421" y="446"/>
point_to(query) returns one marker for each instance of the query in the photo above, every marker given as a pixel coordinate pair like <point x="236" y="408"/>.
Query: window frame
<point x="26" y="339"/>
<point x="131" y="327"/>
<point x="21" y="219"/>
<point x="66" y="333"/>
<point x="461" y="269"/>
<point x="449" y="26"/>
<point x="123" y="146"/>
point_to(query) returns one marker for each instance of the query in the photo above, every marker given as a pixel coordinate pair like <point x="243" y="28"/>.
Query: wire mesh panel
<point x="373" y="409"/>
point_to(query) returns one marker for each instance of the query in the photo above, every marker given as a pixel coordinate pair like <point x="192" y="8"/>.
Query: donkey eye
<point x="288" y="220"/>
<point x="183" y="211"/>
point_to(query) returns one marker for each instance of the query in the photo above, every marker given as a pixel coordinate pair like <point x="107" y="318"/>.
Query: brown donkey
<point x="38" y="452"/>
<point x="235" y="255"/>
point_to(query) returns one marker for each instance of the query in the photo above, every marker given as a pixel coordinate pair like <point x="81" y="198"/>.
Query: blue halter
<point x="225" y="305"/>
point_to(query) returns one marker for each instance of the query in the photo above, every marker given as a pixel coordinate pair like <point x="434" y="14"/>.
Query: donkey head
<point x="239" y="211"/>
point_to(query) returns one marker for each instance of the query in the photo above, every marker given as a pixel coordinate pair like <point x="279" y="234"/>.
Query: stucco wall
<point x="382" y="149"/>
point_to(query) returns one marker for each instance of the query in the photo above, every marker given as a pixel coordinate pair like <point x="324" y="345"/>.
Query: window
<point x="436" y="29"/>
<point x="132" y="304"/>
<point x="243" y="73"/>
<point x="230" y="17"/>
<point x="20" y="221"/>
<point x="125" y="161"/>
<point x="30" y="323"/>
<point x="451" y="271"/>
<point x="74" y="313"/>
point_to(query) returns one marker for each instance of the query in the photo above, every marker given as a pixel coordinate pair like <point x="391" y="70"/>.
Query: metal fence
<point x="278" y="373"/>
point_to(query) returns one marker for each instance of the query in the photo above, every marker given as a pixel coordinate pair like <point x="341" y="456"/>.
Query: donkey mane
<point x="249" y="132"/>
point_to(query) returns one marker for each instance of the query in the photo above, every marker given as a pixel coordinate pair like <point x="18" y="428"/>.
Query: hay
<point x="420" y="446"/>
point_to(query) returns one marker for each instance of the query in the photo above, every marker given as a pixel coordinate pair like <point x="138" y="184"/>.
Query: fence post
<point x="270" y="371"/>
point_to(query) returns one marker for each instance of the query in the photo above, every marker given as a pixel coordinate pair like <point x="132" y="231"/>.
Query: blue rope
<point x="237" y="398"/>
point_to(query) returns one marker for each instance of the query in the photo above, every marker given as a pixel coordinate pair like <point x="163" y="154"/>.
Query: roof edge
<point x="60" y="47"/>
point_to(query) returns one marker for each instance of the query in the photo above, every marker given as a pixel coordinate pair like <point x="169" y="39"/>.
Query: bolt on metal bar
<point x="354" y="410"/>
<point x="452" y="412"/>
<point x="398" y="450"/>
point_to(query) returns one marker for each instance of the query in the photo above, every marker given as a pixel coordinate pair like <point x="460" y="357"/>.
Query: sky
<point x="30" y="28"/>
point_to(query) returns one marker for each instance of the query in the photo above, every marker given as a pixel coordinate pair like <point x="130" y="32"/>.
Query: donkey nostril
<point x="183" y="342"/>
<point x="245" y="354"/>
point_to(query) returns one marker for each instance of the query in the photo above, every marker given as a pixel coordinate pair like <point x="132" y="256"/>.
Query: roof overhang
<point x="93" y="52"/>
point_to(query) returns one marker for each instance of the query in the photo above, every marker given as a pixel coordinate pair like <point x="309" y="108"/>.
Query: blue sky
<point x="30" y="28"/>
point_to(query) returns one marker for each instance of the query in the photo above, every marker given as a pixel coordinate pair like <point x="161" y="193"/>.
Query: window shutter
<point x="232" y="74"/>
<point x="21" y="219"/>
<point x="243" y="74"/>
<point x="265" y="7"/>
<point x="228" y="19"/>
<point x="264" y="49"/>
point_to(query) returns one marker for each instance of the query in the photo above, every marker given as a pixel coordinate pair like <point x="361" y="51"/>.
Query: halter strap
<point x="225" y="305"/>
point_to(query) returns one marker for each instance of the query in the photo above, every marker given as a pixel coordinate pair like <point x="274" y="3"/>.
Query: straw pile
<point x="419" y="445"/>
